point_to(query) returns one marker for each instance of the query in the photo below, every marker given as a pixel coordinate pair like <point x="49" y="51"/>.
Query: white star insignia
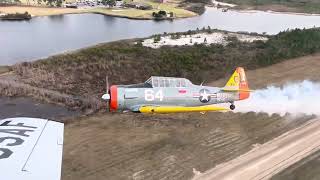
<point x="205" y="96"/>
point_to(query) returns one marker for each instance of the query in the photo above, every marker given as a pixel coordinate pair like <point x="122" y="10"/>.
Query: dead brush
<point x="14" y="89"/>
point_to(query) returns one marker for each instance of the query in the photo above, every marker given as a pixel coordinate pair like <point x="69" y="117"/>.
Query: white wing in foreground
<point x="30" y="149"/>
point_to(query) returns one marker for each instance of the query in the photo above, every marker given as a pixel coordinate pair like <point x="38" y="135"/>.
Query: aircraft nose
<point x="113" y="103"/>
<point x="106" y="97"/>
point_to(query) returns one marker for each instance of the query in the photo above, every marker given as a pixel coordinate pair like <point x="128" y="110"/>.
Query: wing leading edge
<point x="30" y="149"/>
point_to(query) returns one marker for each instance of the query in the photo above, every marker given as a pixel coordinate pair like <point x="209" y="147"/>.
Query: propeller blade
<point x="106" y="96"/>
<point x="107" y="83"/>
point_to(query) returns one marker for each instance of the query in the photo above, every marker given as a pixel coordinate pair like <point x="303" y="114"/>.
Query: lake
<point x="44" y="36"/>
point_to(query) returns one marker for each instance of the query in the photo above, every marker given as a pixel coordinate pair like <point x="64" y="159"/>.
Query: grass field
<point x="129" y="13"/>
<point x="142" y="14"/>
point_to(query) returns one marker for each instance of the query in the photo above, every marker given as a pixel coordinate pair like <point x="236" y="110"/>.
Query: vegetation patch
<point x="4" y="69"/>
<point x="16" y="16"/>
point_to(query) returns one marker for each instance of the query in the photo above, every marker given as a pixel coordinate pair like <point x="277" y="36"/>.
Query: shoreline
<point x="130" y="40"/>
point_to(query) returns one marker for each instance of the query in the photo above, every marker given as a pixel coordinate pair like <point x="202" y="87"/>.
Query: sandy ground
<point x="135" y="146"/>
<point x="270" y="158"/>
<point x="201" y="38"/>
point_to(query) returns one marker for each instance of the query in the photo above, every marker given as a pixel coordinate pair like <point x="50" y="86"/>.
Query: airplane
<point x="30" y="149"/>
<point x="176" y="95"/>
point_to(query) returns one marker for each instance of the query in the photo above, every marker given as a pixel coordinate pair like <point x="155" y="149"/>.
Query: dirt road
<point x="270" y="158"/>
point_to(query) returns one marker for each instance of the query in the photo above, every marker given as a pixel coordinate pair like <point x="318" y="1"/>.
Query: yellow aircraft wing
<point x="180" y="109"/>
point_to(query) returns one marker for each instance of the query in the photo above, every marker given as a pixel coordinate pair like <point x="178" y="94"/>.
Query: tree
<point x="57" y="3"/>
<point x="10" y="1"/>
<point x="163" y="13"/>
<point x="109" y="2"/>
<point x="156" y="38"/>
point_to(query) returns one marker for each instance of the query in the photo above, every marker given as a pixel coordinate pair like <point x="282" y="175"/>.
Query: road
<point x="270" y="158"/>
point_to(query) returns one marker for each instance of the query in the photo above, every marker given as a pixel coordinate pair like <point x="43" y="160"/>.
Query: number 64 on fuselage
<point x="173" y="95"/>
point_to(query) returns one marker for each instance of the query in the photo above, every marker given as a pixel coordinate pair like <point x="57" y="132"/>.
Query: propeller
<point x="202" y="83"/>
<point x="106" y="96"/>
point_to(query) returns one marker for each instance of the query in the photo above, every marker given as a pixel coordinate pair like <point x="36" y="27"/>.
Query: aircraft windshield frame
<point x="169" y="82"/>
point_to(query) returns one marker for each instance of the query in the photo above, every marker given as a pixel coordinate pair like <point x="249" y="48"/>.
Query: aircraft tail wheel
<point x="232" y="106"/>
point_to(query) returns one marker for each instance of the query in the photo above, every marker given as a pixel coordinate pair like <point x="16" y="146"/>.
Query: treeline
<point x="57" y="3"/>
<point x="83" y="73"/>
<point x="8" y="2"/>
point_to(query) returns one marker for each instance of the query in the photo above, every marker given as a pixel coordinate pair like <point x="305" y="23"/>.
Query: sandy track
<point x="272" y="157"/>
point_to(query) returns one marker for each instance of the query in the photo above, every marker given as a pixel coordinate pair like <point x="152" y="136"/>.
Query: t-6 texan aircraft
<point x="173" y="95"/>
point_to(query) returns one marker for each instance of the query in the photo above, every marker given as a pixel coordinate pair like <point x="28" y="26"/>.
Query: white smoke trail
<point x="296" y="98"/>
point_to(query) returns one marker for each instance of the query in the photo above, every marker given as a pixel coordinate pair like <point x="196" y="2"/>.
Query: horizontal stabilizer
<point x="180" y="109"/>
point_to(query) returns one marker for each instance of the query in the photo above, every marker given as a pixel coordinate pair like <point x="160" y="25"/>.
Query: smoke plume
<point x="295" y="98"/>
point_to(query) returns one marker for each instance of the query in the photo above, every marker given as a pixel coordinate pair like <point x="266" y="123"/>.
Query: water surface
<point x="45" y="36"/>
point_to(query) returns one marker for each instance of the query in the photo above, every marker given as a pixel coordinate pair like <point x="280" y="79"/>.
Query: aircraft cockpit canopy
<point x="157" y="81"/>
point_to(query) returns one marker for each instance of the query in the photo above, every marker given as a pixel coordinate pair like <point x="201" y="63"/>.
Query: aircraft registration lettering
<point x="223" y="96"/>
<point x="9" y="141"/>
<point x="150" y="95"/>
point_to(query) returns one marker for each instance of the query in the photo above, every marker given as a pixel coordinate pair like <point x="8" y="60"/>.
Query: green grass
<point x="137" y="13"/>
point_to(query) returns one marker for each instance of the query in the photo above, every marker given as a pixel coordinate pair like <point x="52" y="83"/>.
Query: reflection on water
<point x="44" y="36"/>
<point x="56" y="17"/>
